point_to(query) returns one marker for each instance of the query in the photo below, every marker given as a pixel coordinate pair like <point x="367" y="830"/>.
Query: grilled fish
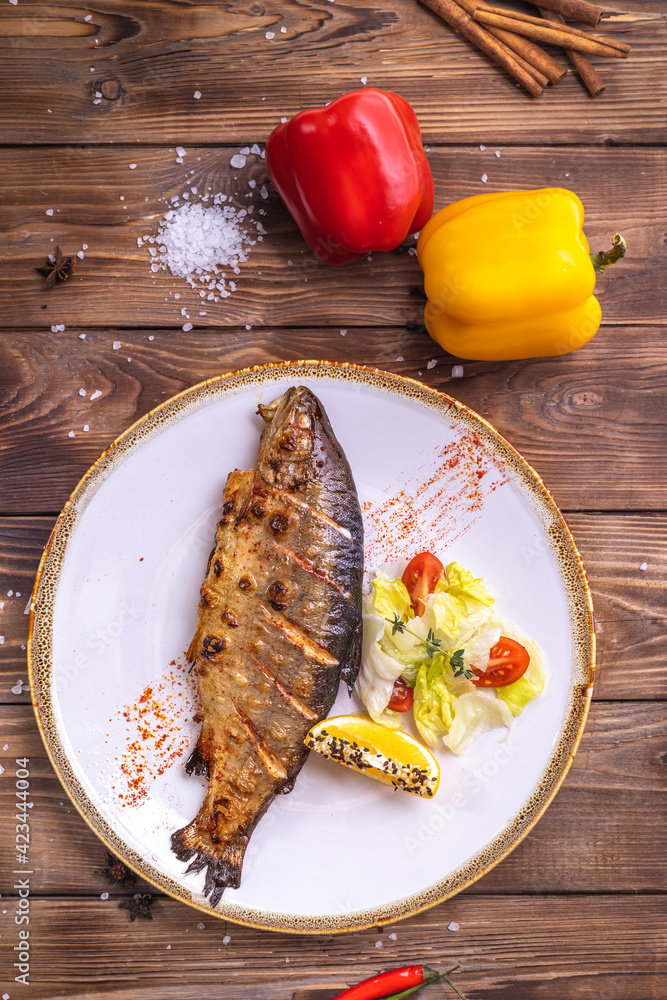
<point x="279" y="624"/>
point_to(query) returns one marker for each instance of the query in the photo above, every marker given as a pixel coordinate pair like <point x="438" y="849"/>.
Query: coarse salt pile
<point x="202" y="240"/>
<point x="196" y="241"/>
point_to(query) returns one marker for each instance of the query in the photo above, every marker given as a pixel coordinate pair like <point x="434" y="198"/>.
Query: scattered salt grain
<point x="116" y="345"/>
<point x="484" y="178"/>
<point x="237" y="160"/>
<point x="283" y="120"/>
<point x="644" y="566"/>
<point x="498" y="153"/>
<point x="14" y="2"/>
<point x="283" y="31"/>
<point x="49" y="211"/>
<point x="255" y="149"/>
<point x="412" y="251"/>
<point x="95" y="395"/>
<point x="88" y="17"/>
<point x="482" y="148"/>
<point x="10" y="593"/>
<point x="364" y="80"/>
<point x="186" y="327"/>
<point x="151" y="337"/>
<point x="80" y="254"/>
<point x="197" y="95"/>
<point x="270" y="35"/>
<point x="400" y="358"/>
<point x="180" y="151"/>
<point x="453" y="926"/>
<point x="287" y="961"/>
<point x="343" y="333"/>
<point x="457" y="371"/>
<point x="248" y="326"/>
<point x="71" y="434"/>
<point x="19" y="686"/>
<point x="26" y="610"/>
<point x="104" y="895"/>
<point x="2" y="639"/>
<point x="263" y="191"/>
<point x="133" y="166"/>
<point x="98" y="100"/>
<point x="201" y="926"/>
<point x="393" y="937"/>
<point x="86" y="427"/>
<point x="92" y="69"/>
<point x="378" y="944"/>
<point x="18" y="593"/>
<point x="432" y="363"/>
<point x="82" y="392"/>
<point x="226" y="939"/>
<point x="6" y="746"/>
<point x="168" y="947"/>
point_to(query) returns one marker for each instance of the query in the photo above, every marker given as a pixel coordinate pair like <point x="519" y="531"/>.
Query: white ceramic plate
<point x="115" y="608"/>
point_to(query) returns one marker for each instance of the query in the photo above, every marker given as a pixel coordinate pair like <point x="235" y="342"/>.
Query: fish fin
<point x="191" y="654"/>
<point x="352" y="661"/>
<point x="197" y="763"/>
<point x="222" y="861"/>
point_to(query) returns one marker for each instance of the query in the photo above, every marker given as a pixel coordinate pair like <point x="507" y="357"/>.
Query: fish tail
<point x="222" y="861"/>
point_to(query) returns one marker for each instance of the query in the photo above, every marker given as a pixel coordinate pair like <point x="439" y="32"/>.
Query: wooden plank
<point x="629" y="602"/>
<point x="155" y="57"/>
<point x="590" y="422"/>
<point x="571" y="948"/>
<point x="588" y="840"/>
<point x="97" y="200"/>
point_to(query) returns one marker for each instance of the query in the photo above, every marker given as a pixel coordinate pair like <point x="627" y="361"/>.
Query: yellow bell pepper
<point x="509" y="275"/>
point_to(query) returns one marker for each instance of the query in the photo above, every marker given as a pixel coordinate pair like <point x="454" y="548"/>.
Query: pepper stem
<point x="604" y="258"/>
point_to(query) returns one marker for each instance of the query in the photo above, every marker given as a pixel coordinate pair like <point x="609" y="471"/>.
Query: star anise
<point x="138" y="905"/>
<point x="57" y="269"/>
<point x="116" y="873"/>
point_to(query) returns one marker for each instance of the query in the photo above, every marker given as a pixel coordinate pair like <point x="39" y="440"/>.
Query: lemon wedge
<point x="387" y="755"/>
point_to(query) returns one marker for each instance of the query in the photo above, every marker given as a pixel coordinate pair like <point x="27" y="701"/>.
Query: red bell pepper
<point x="353" y="175"/>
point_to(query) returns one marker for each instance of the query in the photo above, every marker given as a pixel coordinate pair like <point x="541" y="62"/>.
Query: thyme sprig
<point x="433" y="646"/>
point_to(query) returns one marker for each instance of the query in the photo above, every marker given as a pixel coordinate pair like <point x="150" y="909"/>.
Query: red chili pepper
<point x="353" y="175"/>
<point x="408" y="979"/>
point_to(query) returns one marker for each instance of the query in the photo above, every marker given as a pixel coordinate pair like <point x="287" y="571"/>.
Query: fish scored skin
<point x="279" y="625"/>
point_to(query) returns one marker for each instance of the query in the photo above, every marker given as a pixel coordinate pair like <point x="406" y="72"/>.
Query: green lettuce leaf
<point x="474" y="713"/>
<point x="467" y="588"/>
<point x="433" y="712"/>
<point x="391" y="598"/>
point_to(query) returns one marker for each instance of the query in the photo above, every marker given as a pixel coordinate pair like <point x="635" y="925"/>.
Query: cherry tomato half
<point x="420" y="577"/>
<point x="508" y="660"/>
<point x="402" y="697"/>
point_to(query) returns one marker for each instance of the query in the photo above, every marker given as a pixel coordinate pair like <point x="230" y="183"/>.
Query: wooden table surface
<point x="578" y="909"/>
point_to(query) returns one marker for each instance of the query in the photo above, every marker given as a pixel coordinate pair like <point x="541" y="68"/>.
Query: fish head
<point x="297" y="441"/>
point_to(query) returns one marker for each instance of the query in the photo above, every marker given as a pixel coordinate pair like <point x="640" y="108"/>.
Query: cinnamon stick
<point x="476" y="33"/>
<point x="541" y="65"/>
<point x="589" y="75"/>
<point x="575" y="10"/>
<point x="563" y="35"/>
<point x="516" y="15"/>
